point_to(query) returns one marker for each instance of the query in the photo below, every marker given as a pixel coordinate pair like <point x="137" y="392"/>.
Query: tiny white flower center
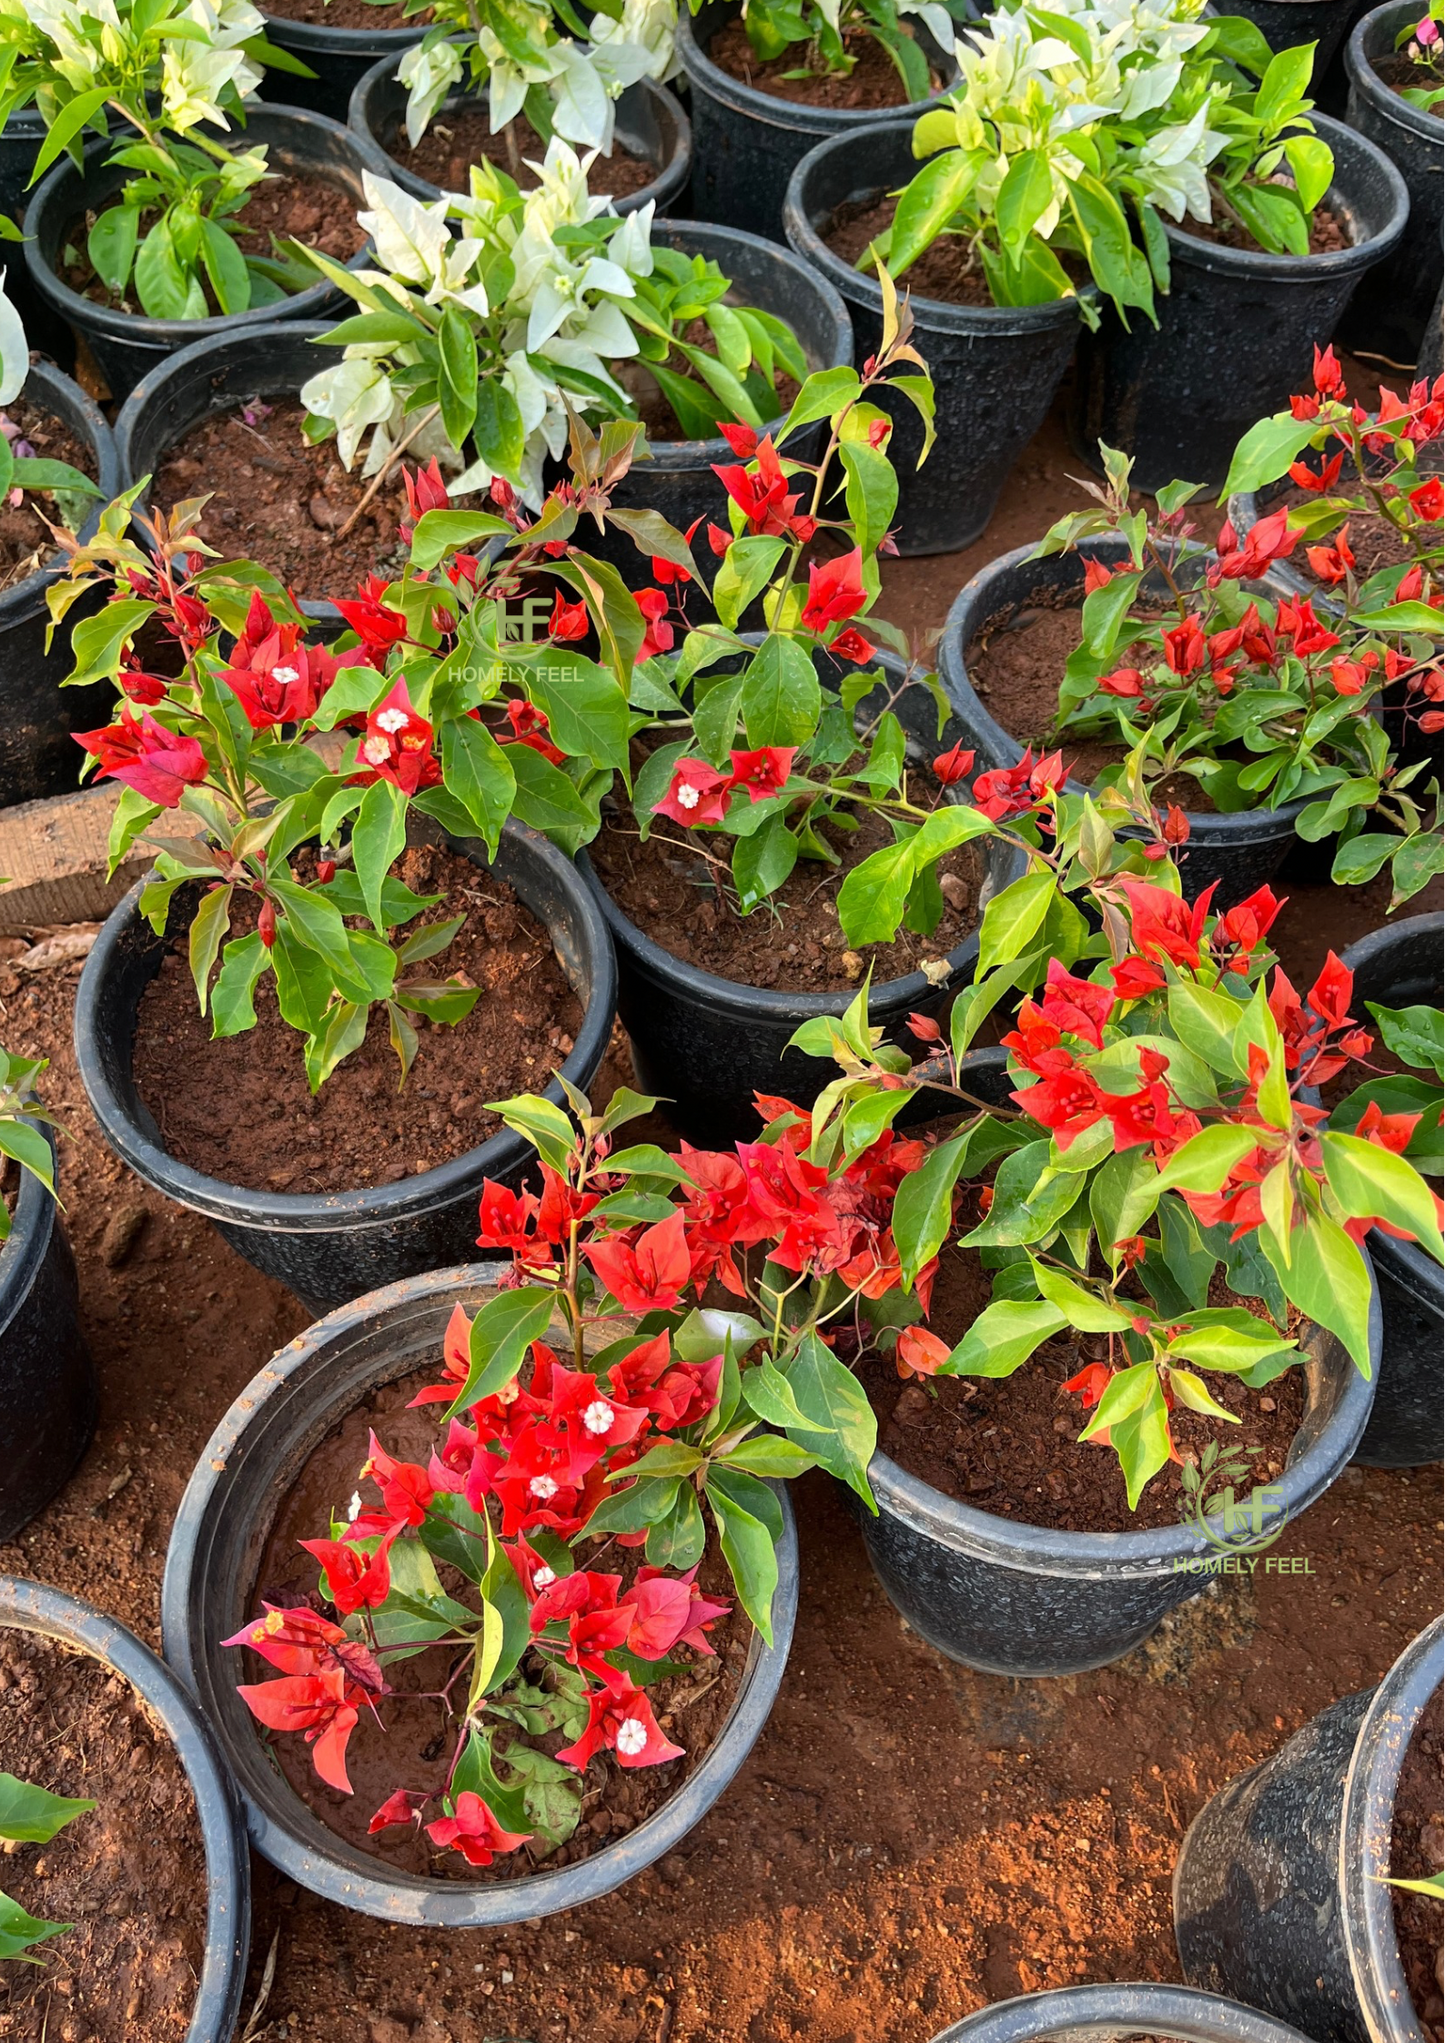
<point x="631" y="1736"/>
<point x="353" y="1509"/>
<point x="544" y="1577"/>
<point x="392" y="720"/>
<point x="376" y="750"/>
<point x="598" y="1416"/>
<point x="285" y="675"/>
<point x="543" y="1487"/>
<point x="688" y="796"/>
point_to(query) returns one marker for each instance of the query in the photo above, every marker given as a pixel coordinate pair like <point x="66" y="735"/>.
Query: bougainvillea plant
<point x="466" y="697"/>
<point x="594" y="1403"/>
<point x="30" y="1814"/>
<point x="1162" y="1121"/>
<point x="779" y="739"/>
<point x="1421" y="43"/>
<point x="829" y="36"/>
<point x="19" y="1140"/>
<point x="1266" y="700"/>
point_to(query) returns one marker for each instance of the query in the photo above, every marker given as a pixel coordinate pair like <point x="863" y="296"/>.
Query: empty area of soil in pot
<point x="280" y="208"/>
<point x="873" y="81"/>
<point x="130" y="1874"/>
<point x="1329" y="233"/>
<point x="416" y="1747"/>
<point x="461" y="135"/>
<point x="794" y="942"/>
<point x="240" y="1109"/>
<point x="1010" y="1445"/>
<point x="25" y="541"/>
<point x="275" y="499"/>
<point x="1401" y="74"/>
<point x="1417" y="1849"/>
<point x="348" y="14"/>
<point x="1016" y="664"/>
<point x="942" y="271"/>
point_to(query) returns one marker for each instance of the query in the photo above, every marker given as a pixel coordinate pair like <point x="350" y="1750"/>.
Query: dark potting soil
<point x="366" y="14"/>
<point x="461" y="136"/>
<point x="873" y="81"/>
<point x="1400" y="72"/>
<point x="277" y="499"/>
<point x="130" y="1874"/>
<point x="1417" y="1849"/>
<point x="792" y="943"/>
<point x="25" y="541"/>
<point x="1016" y="664"/>
<point x="282" y="208"/>
<point x="1328" y="233"/>
<point x="1010" y="1445"/>
<point x="240" y="1109"/>
<point x="942" y="271"/>
<point x="413" y="1745"/>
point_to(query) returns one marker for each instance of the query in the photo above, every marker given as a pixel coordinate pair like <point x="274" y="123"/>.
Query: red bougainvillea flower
<point x="1428" y="501"/>
<point x="457" y="1340"/>
<point x="674" y="1393"/>
<point x="506" y="1218"/>
<point x="1350" y="677"/>
<point x="354" y="1580"/>
<point x="953" y="765"/>
<point x="301" y="1641"/>
<point x="925" y="1028"/>
<point x="1076" y="1004"/>
<point x="742" y="439"/>
<point x="1090" y="1383"/>
<point x="406" y="1490"/>
<point x="405" y="1806"/>
<point x="835" y="591"/>
<point x="1163" y="924"/>
<point x="157" y="763"/>
<point x="920" y="1353"/>
<point x="1298" y="621"/>
<point x="1268" y="539"/>
<point x="425" y="490"/>
<point x="396" y="744"/>
<point x="1068" y="1104"/>
<point x="283" y="681"/>
<point x="529" y="726"/>
<point x="568" y="620"/>
<point x="698" y="794"/>
<point x="378" y="627"/>
<point x="146" y="690"/>
<point x="764" y="772"/>
<point x="1175" y="827"/>
<point x="1014" y="790"/>
<point x="659" y="635"/>
<point x="851" y="645"/>
<point x="670" y="1611"/>
<point x="1097" y="575"/>
<point x="588" y="1420"/>
<point x="1242" y="929"/>
<point x="763" y="496"/>
<point x="1332" y="992"/>
<point x="1135" y="977"/>
<point x="324" y="1706"/>
<point x="624" y="1724"/>
<point x="1306" y="477"/>
<point x="597" y="1624"/>
<point x="792" y="1197"/>
<point x="1125" y="681"/>
<point x="667" y="572"/>
<point x="648" y="1274"/>
<point x="474" y="1831"/>
<point x="1185" y="649"/>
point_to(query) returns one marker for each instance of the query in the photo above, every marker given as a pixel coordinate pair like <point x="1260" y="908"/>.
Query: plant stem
<point x="384" y="472"/>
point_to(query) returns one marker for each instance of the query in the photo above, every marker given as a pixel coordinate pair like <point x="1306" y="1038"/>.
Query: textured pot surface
<point x="1389" y="313"/>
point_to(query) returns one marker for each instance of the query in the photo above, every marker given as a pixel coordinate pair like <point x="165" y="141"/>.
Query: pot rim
<point x="46" y="385"/>
<point x="931" y="315"/>
<point x="1073" y="2012"/>
<point x="348" y="1876"/>
<point x="138" y="328"/>
<point x="1043" y="1550"/>
<point x="32" y="1227"/>
<point x="770" y="112"/>
<point x="671" y="175"/>
<point x="339" y="1212"/>
<point x="1366" y="80"/>
<point x="1367" y="1914"/>
<point x="35" y="1607"/>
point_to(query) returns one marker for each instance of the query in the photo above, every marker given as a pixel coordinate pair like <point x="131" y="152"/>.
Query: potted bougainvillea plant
<point x="523" y="1607"/>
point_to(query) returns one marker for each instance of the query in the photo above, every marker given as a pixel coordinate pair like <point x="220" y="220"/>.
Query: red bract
<point x="529" y="727"/>
<point x="1185" y="650"/>
<point x="953" y="765"/>
<point x="1163" y="924"/>
<point x="568" y="620"/>
<point x="1015" y="790"/>
<point x="456" y="1342"/>
<point x="301" y="1641"/>
<point x="1090" y="1383"/>
<point x="647" y="1274"/>
<point x="159" y="764"/>
<point x="835" y="591"/>
<point x="851" y="645"/>
<point x="406" y="1490"/>
<point x="402" y="1807"/>
<point x="659" y="635"/>
<point x="920" y="1353"/>
<point x="597" y="1624"/>
<point x="1325" y="479"/>
<point x="1428" y="501"/>
<point x="622" y="1723"/>
<point x="1332" y="992"/>
<point x="698" y="794"/>
<point x="1298" y="621"/>
<point x="1124" y="681"/>
<point x="1068" y="1103"/>
<point x="506" y="1218"/>
<point x="1135" y="977"/>
<point x="742" y="439"/>
<point x="1268" y="540"/>
<point x="324" y="1706"/>
<point x="354" y="1580"/>
<point x="791" y="1196"/>
<point x="1097" y="575"/>
<point x="589" y="1421"/>
<point x="425" y="490"/>
<point x="1076" y="1004"/>
<point x="378" y="627"/>
<point x="474" y="1831"/>
<point x="396" y="744"/>
<point x="1240" y="930"/>
<point x="1332" y="563"/>
<point x="763" y="496"/>
<point x="764" y="772"/>
<point x="676" y="1394"/>
<point x="670" y="1610"/>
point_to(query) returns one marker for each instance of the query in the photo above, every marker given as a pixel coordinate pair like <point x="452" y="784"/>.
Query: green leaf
<point x="1203" y="1162"/>
<point x="226" y="268"/>
<point x="1265" y="453"/>
<point x="457" y="376"/>
<point x="498" y="433"/>
<point x="872" y="898"/>
<point x="1083" y="1309"/>
<point x="585" y="707"/>
<point x="766" y="1455"/>
<point x="928" y="204"/>
<point x="1012" y="917"/>
<point x="1416" y="1035"/>
<point x="923" y="1205"/>
<point x="1003" y="1337"/>
<point x="232" y="1005"/>
<point x="111" y="246"/>
<point x="543" y="1123"/>
<point x="763" y="861"/>
<point x="439" y="533"/>
<point x="475" y="770"/>
<point x="677" y="1539"/>
<point x="502" y="1332"/>
<point x="19" y="1930"/>
<point x="747" y="1543"/>
<point x="378" y="838"/>
<point x="31" y="1814"/>
<point x="66" y="125"/>
<point x="781" y="699"/>
<point x="1027" y="190"/>
<point x="1328" y="1279"/>
<point x="839" y="1428"/>
<point x="1373" y="1183"/>
<point x="1205" y="1023"/>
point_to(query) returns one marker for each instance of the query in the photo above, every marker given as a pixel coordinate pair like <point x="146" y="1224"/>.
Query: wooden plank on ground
<point x="52" y="853"/>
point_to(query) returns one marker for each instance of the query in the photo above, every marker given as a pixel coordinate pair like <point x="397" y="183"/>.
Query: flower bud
<point x="325" y="870"/>
<point x="925" y="1028"/>
<point x="266" y="923"/>
<point x="952" y="766"/>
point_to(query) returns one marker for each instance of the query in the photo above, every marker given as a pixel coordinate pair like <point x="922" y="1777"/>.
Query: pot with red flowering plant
<point x="787" y="781"/>
<point x="1202" y="677"/>
<point x="588" y="1395"/>
<point x="1161" y="1124"/>
<point x="315" y="875"/>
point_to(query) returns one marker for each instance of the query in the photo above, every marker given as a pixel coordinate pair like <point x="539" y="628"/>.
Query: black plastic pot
<point x="995" y="368"/>
<point x="1018" y="1599"/>
<point x="1240" y="852"/>
<point x="47" y="1379"/>
<point x="1401" y="966"/>
<point x="1431" y="361"/>
<point x="340" y="57"/>
<point x="1388" y="316"/>
<point x="746" y="143"/>
<point x="126" y="344"/>
<point x="216" y="374"/>
<point x="1234" y="333"/>
<point x="1073" y="2013"/>
<point x="1285" y="24"/>
<point x="649" y="123"/>
<point x="707" y="1044"/>
<point x="678" y="479"/>
<point x="332" y="1247"/>
<point x="1281" y="1892"/>
<point x="32" y="1607"/>
<point x="220" y="1531"/>
<point x="38" y="756"/>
